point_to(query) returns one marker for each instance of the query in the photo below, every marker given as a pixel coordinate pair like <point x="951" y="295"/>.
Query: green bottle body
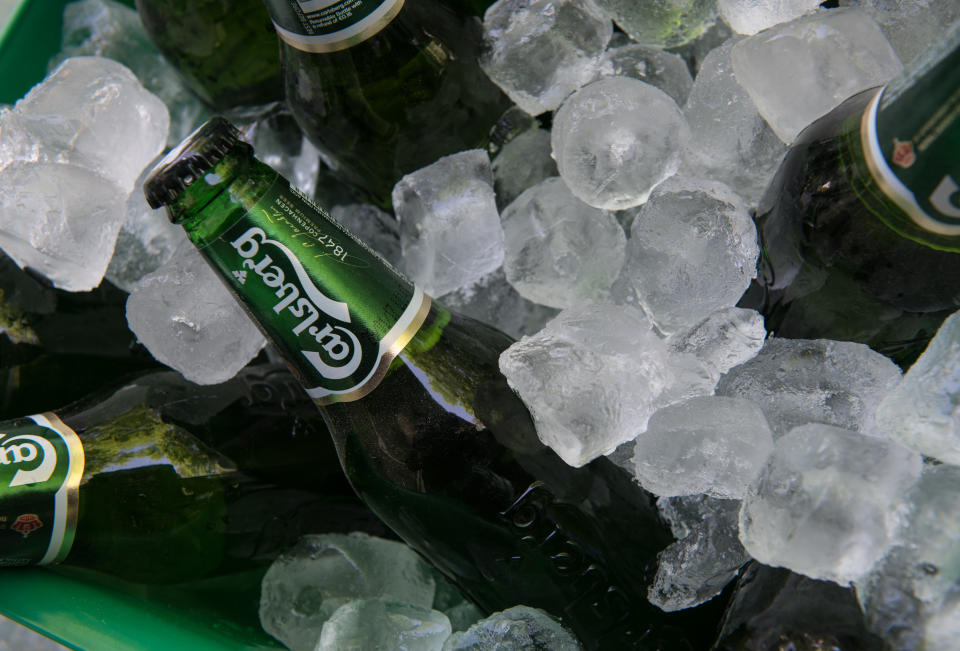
<point x="386" y="103"/>
<point x="427" y="430"/>
<point x="773" y="608"/>
<point x="859" y="227"/>
<point x="150" y="495"/>
<point x="226" y="50"/>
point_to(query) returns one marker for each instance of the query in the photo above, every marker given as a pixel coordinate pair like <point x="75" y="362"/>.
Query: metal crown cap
<point x="194" y="157"/>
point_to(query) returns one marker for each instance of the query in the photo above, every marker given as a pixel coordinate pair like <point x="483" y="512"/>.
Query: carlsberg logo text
<point x="300" y="298"/>
<point x="27" y="448"/>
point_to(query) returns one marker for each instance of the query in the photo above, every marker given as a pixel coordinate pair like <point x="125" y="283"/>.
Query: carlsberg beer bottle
<point x="860" y="227"/>
<point x="427" y="430"/>
<point x="134" y="482"/>
<point x="385" y="87"/>
<point x="226" y="50"/>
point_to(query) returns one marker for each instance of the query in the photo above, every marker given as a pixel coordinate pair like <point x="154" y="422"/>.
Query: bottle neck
<point x="336" y="310"/>
<point x="324" y="26"/>
<point x="910" y="134"/>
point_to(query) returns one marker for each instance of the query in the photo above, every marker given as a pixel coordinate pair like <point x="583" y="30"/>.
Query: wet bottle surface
<point x="428" y="431"/>
<point x="131" y="483"/>
<point x="860" y="227"/>
<point x="389" y="88"/>
<point x="226" y="50"/>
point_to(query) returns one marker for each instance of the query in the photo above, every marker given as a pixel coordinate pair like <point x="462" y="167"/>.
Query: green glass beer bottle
<point x="427" y="429"/>
<point x="860" y="227"/>
<point x="774" y="608"/>
<point x="385" y="87"/>
<point x="131" y="483"/>
<point x="226" y="50"/>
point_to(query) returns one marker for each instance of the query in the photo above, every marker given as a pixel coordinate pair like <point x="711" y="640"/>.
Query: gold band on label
<point x="308" y="43"/>
<point x="887" y="181"/>
<point x="67" y="498"/>
<point x="374" y="379"/>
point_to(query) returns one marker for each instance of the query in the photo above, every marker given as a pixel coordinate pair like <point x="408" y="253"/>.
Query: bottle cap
<point x="194" y="157"/>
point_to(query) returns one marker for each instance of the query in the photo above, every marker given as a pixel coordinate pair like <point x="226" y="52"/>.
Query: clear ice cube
<point x="727" y="338"/>
<point x="665" y="70"/>
<point x="306" y="585"/>
<point x="730" y="140"/>
<point x="706" y="556"/>
<point x="705" y="444"/>
<point x="521" y="163"/>
<point x="450" y="231"/>
<point x="60" y="220"/>
<point x="540" y="51"/>
<point x="187" y="318"/>
<point x="559" y="251"/>
<point x="111" y="29"/>
<point x="799" y="381"/>
<point x="380" y="624"/>
<point x="828" y="503"/>
<point x="797" y="71"/>
<point x="692" y="251"/>
<point x="146" y="241"/>
<point x="752" y="16"/>
<point x="615" y="139"/>
<point x="91" y="112"/>
<point x="493" y="300"/>
<point x="591" y="378"/>
<point x="923" y="410"/>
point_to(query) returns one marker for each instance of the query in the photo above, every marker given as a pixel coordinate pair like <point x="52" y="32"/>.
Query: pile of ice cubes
<point x="355" y="591"/>
<point x="607" y="227"/>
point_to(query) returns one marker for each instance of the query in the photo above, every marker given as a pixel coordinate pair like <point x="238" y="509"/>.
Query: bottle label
<point x="337" y="310"/>
<point x="330" y="25"/>
<point x="911" y="136"/>
<point x="41" y="463"/>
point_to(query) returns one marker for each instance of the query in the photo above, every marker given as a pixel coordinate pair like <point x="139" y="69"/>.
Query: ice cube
<point x="799" y="381"/>
<point x="520" y="628"/>
<point x="663" y="23"/>
<point x="923" y="410"/>
<point x="146" y="241"/>
<point x="706" y="556"/>
<point x="91" y="112"/>
<point x="911" y="593"/>
<point x="730" y="140"/>
<point x="692" y="251"/>
<point x="521" y="163"/>
<point x="493" y="300"/>
<point x="540" y="51"/>
<point x="449" y="223"/>
<point x="60" y="220"/>
<point x="706" y="444"/>
<point x="615" y="139"/>
<point x="281" y="144"/>
<point x="727" y="338"/>
<point x="185" y="316"/>
<point x="560" y="252"/>
<point x="752" y="16"/>
<point x="665" y="70"/>
<point x="910" y="27"/>
<point x="828" y="502"/>
<point x="381" y="624"/>
<point x="111" y="29"/>
<point x="591" y="378"/>
<point x="797" y="71"/>
<point x="305" y="586"/>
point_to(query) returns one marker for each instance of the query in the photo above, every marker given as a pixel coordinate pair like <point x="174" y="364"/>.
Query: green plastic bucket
<point x="81" y="609"/>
